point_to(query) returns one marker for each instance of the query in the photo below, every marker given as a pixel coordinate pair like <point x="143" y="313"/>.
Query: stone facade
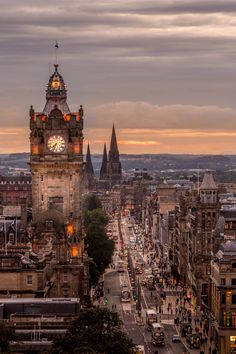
<point x="223" y="297"/>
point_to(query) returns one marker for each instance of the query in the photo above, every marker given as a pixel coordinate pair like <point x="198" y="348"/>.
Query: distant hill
<point x="152" y="162"/>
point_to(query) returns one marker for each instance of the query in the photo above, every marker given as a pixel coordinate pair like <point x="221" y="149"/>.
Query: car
<point x="176" y="338"/>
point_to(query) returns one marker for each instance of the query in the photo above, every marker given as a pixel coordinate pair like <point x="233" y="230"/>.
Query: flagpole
<point x="56" y="51"/>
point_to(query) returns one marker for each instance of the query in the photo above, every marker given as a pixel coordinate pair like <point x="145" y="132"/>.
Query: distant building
<point x="14" y="188"/>
<point x="89" y="177"/>
<point x="110" y="172"/>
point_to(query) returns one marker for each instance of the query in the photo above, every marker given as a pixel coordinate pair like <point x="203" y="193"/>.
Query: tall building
<point x="207" y="215"/>
<point x="56" y="163"/>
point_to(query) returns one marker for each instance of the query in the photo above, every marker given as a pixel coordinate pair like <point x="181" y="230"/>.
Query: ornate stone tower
<point x="56" y="160"/>
<point x="56" y="163"/>
<point x="208" y="209"/>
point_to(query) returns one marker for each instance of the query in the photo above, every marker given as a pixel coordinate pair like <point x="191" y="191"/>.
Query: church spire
<point x="103" y="170"/>
<point x="113" y="145"/>
<point x="89" y="172"/>
<point x="89" y="165"/>
<point x="114" y="165"/>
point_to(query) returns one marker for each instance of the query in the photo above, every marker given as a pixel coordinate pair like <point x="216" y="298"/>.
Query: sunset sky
<point x="164" y="71"/>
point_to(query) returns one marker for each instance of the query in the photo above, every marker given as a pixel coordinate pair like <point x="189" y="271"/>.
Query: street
<point x="113" y="283"/>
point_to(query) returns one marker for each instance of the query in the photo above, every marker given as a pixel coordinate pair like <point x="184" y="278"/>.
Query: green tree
<point x="99" y="247"/>
<point x="91" y="202"/>
<point x="96" y="216"/>
<point x="95" y="331"/>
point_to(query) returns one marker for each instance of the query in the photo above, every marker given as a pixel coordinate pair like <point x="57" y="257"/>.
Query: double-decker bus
<point x="125" y="294"/>
<point x="121" y="266"/>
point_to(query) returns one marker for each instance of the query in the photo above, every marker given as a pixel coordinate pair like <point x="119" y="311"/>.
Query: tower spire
<point x="103" y="170"/>
<point x="89" y="165"/>
<point x="113" y="145"/>
<point x="114" y="165"/>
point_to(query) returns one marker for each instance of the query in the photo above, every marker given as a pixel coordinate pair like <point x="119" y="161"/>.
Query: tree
<point x="96" y="216"/>
<point x="91" y="202"/>
<point x="99" y="247"/>
<point x="95" y="331"/>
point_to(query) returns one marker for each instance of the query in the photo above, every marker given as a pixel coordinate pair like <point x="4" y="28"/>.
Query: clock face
<point x="56" y="143"/>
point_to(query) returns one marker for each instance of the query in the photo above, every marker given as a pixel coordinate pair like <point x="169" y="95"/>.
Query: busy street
<point x="159" y="314"/>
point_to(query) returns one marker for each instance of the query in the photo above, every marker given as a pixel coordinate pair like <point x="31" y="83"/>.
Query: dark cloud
<point x="177" y="53"/>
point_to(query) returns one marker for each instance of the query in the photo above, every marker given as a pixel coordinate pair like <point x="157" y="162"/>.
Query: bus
<point x="151" y="317"/>
<point x="121" y="267"/>
<point x="125" y="294"/>
<point x="158" y="334"/>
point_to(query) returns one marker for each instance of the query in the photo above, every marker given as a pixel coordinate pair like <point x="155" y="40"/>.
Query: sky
<point x="163" y="71"/>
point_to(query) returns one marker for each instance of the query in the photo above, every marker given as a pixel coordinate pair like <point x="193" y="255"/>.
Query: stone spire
<point x="103" y="171"/>
<point x="89" y="165"/>
<point x="114" y="165"/>
<point x="89" y="172"/>
<point x="113" y="152"/>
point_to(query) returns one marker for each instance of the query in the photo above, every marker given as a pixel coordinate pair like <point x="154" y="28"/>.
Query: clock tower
<point x="56" y="163"/>
<point x="56" y="159"/>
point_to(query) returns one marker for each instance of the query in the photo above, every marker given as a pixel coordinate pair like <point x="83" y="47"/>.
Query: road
<point x="113" y="282"/>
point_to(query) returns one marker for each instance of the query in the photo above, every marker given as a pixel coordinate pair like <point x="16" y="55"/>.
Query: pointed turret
<point x="208" y="189"/>
<point x="103" y="170"/>
<point x="56" y="93"/>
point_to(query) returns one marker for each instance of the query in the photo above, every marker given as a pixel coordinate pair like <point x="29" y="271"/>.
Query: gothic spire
<point x="114" y="165"/>
<point x="103" y="171"/>
<point x="89" y="165"/>
<point x="113" y="145"/>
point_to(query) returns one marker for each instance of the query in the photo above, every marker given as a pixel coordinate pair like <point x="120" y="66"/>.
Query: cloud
<point x="167" y="66"/>
<point x="144" y="115"/>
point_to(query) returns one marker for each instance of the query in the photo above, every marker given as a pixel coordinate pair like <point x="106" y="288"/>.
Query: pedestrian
<point x="108" y="290"/>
